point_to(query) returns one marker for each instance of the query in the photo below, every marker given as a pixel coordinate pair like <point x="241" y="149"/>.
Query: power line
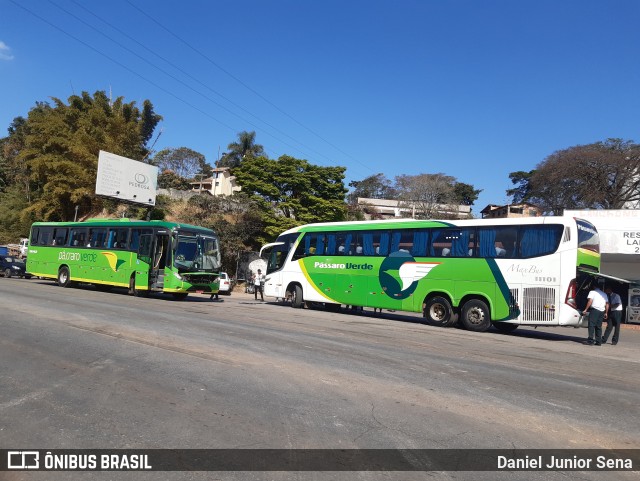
<point x="120" y="64"/>
<point x="151" y="82"/>
<point x="244" y="84"/>
<point x="124" y="47"/>
<point x="121" y="32"/>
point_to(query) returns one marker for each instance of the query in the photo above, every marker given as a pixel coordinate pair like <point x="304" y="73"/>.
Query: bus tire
<point x="439" y="312"/>
<point x="296" y="297"/>
<point x="476" y="316"/>
<point x="64" y="277"/>
<point x="505" y="327"/>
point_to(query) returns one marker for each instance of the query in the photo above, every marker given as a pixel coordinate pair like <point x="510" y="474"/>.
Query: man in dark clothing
<point x="614" y="318"/>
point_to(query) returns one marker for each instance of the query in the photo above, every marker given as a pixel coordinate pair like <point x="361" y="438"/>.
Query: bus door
<point x="275" y="254"/>
<point x="155" y="250"/>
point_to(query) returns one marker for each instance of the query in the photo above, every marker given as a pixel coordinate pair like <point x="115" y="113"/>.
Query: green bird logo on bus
<point x="399" y="274"/>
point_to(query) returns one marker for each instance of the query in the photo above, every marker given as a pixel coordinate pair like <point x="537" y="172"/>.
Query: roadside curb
<point x="633" y="327"/>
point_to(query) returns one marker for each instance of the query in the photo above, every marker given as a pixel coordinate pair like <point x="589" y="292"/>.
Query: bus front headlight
<point x="178" y="276"/>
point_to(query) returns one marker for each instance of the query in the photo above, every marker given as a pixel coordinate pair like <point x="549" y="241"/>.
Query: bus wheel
<point x="475" y="316"/>
<point x="179" y="296"/>
<point x="439" y="312"/>
<point x="505" y="327"/>
<point x="296" y="297"/>
<point x="64" y="278"/>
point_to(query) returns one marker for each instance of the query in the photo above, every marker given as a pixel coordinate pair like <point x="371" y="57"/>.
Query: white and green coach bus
<point x="143" y="256"/>
<point x="505" y="272"/>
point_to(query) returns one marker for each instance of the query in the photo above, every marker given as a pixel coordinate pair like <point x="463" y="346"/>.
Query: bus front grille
<point x="200" y="279"/>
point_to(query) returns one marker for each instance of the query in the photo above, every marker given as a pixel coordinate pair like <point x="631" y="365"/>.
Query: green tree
<point x="236" y="219"/>
<point x="168" y="179"/>
<point x="292" y="191"/>
<point x="12" y="170"/>
<point x="373" y="187"/>
<point x="182" y="161"/>
<point x="465" y="194"/>
<point x="61" y="147"/>
<point x="522" y="190"/>
<point x="13" y="225"/>
<point x="241" y="150"/>
<point x="602" y="175"/>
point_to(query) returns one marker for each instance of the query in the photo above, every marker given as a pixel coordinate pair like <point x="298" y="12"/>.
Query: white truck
<point x="24" y="247"/>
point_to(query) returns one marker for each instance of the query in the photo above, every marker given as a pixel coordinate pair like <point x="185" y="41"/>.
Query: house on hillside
<point x="523" y="209"/>
<point x="221" y="182"/>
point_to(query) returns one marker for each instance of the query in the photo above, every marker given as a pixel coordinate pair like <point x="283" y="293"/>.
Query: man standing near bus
<point x="258" y="283"/>
<point x="596" y="309"/>
<point x="614" y="318"/>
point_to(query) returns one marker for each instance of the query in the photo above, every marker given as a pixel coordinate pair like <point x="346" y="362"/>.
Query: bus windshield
<point x="196" y="253"/>
<point x="588" y="237"/>
<point x="278" y="252"/>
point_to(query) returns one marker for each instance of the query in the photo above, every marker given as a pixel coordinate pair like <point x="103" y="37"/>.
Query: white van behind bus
<point x="24" y="247"/>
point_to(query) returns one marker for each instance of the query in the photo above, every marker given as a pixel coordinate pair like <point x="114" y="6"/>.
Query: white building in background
<point x="221" y="182"/>
<point x="388" y="209"/>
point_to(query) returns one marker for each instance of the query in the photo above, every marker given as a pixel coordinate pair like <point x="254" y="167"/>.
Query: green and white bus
<point x="505" y="272"/>
<point x="143" y="256"/>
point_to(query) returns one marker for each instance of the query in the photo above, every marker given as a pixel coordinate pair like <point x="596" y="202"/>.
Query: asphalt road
<point x="89" y="369"/>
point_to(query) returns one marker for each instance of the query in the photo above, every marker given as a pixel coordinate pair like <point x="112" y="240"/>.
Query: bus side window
<point x="540" y="240"/>
<point x="357" y="244"/>
<point x="304" y="247"/>
<point x="344" y="244"/>
<point x="111" y="239"/>
<point x="78" y="237"/>
<point x="134" y="242"/>
<point x="97" y="237"/>
<point x="382" y="249"/>
<point x="59" y="236"/>
<point x="420" y="241"/>
<point x="46" y="236"/>
<point x="123" y="237"/>
<point x="462" y="242"/>
<point x="34" y="236"/>
<point x="117" y="238"/>
<point x="368" y="248"/>
<point x="331" y="245"/>
<point x="320" y="245"/>
<point x="505" y="243"/>
<point x="440" y="245"/>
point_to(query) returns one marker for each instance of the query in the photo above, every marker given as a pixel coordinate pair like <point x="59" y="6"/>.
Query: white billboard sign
<point x="126" y="179"/>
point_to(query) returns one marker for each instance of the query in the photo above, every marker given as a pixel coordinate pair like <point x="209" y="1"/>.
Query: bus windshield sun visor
<point x="270" y="245"/>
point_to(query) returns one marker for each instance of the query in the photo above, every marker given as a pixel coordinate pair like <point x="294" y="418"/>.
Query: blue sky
<point x="472" y="89"/>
